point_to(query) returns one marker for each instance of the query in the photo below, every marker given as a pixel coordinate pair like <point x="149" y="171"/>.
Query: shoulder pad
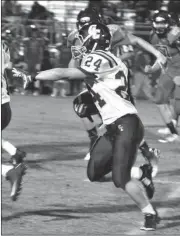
<point x="174" y="34"/>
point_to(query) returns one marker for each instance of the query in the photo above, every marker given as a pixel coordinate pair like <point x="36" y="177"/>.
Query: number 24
<point x="97" y="63"/>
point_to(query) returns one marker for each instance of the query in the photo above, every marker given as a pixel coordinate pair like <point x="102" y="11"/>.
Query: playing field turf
<point x="55" y="199"/>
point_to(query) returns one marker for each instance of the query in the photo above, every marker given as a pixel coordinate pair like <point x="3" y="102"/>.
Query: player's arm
<point x="62" y="73"/>
<point x="173" y="35"/>
<point x="146" y="46"/>
<point x="161" y="60"/>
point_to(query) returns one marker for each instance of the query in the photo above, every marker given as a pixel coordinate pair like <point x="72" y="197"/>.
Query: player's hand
<point x="148" y="69"/>
<point x="21" y="75"/>
<point x="26" y="81"/>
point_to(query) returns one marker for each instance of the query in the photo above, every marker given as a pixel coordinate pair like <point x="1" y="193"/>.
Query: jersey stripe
<point x="110" y="59"/>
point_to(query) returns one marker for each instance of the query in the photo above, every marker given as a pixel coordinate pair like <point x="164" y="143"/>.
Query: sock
<point x="136" y="172"/>
<point x="8" y="147"/>
<point x="148" y="210"/>
<point x="5" y="169"/>
<point x="172" y="128"/>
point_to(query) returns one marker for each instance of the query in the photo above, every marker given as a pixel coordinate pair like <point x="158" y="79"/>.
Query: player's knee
<point x="121" y="179"/>
<point x="119" y="183"/>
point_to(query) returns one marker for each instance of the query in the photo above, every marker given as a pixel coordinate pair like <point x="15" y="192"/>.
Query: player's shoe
<point x="150" y="222"/>
<point x="152" y="155"/>
<point x="18" y="157"/>
<point x="146" y="180"/>
<point x="15" y="177"/>
<point x="166" y="131"/>
<point x="170" y="139"/>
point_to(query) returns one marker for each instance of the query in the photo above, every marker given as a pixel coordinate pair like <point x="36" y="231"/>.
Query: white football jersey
<point x="109" y="87"/>
<point x="5" y="63"/>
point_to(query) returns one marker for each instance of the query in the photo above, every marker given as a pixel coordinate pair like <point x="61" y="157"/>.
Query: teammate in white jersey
<point x="106" y="78"/>
<point x="16" y="170"/>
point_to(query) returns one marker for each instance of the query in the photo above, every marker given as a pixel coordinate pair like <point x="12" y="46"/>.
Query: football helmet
<point x="93" y="36"/>
<point x="87" y="16"/>
<point x="161" y="22"/>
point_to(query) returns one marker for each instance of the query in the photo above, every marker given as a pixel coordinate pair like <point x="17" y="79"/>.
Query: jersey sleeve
<point x="174" y="35"/>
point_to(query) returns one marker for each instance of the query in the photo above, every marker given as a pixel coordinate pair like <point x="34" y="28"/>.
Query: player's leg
<point x="16" y="155"/>
<point x="126" y="144"/>
<point x="100" y="162"/>
<point x="14" y="175"/>
<point x="137" y="84"/>
<point x="163" y="94"/>
<point x="87" y="111"/>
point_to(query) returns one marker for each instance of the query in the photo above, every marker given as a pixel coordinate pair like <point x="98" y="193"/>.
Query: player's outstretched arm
<point x="146" y="46"/>
<point x="61" y="73"/>
<point x="161" y="60"/>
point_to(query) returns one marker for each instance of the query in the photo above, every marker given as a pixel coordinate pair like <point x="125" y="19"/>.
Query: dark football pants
<point x="5" y="115"/>
<point x="116" y="150"/>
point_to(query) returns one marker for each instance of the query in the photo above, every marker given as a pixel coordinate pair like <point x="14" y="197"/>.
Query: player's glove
<point x="160" y="63"/>
<point x="81" y="110"/>
<point x="22" y="75"/>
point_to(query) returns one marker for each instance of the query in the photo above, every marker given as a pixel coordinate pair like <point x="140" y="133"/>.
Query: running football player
<point x="123" y="46"/>
<point x="15" y="171"/>
<point x="106" y="78"/>
<point x="165" y="39"/>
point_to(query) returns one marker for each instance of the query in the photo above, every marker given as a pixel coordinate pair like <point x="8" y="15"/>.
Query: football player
<point x="106" y="78"/>
<point x="16" y="170"/>
<point x="123" y="46"/>
<point x="165" y="39"/>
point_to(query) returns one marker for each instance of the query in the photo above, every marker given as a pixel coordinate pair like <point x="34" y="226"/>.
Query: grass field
<point x="56" y="200"/>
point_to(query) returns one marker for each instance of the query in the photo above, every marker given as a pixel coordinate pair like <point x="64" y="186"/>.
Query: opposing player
<point x="122" y="46"/>
<point x="16" y="170"/>
<point x="165" y="39"/>
<point x="106" y="77"/>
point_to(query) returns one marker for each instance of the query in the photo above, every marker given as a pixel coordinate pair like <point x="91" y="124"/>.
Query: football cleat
<point x="18" y="157"/>
<point x="146" y="180"/>
<point x="164" y="131"/>
<point x="170" y="139"/>
<point x="150" y="222"/>
<point x="15" y="177"/>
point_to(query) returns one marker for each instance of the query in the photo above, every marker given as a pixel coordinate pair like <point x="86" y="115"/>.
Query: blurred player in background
<point x="123" y="46"/>
<point x="33" y="54"/>
<point x="165" y="38"/>
<point x="106" y="77"/>
<point x="15" y="171"/>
